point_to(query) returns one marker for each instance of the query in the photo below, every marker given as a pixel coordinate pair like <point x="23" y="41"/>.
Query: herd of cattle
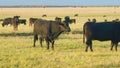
<point x="49" y="30"/>
<point x="15" y="21"/>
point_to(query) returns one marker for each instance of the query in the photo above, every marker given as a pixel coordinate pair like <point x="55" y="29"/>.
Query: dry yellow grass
<point x="52" y="11"/>
<point x="16" y="49"/>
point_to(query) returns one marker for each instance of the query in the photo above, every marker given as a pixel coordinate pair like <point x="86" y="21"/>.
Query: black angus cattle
<point x="76" y="15"/>
<point x="69" y="21"/>
<point x="12" y="21"/>
<point x="101" y="31"/>
<point x="7" y="21"/>
<point x="72" y="21"/>
<point x="32" y="21"/>
<point x="105" y="20"/>
<point x="48" y="30"/>
<point x="1" y="20"/>
<point x="22" y="21"/>
<point x="44" y="15"/>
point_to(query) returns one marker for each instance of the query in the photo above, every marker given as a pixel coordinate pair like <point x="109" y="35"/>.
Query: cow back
<point x="103" y="31"/>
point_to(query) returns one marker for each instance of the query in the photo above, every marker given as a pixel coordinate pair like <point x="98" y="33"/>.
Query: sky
<point x="60" y="2"/>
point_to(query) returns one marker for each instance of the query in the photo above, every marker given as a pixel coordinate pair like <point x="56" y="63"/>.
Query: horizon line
<point x="5" y="6"/>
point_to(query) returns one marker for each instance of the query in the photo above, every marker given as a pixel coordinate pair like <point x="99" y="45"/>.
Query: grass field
<point x="17" y="51"/>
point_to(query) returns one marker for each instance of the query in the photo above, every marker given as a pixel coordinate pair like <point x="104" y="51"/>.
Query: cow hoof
<point x="86" y="51"/>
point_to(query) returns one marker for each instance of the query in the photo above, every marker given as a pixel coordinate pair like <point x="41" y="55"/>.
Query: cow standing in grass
<point x="48" y="30"/>
<point x="12" y="21"/>
<point x="22" y="21"/>
<point x="102" y="31"/>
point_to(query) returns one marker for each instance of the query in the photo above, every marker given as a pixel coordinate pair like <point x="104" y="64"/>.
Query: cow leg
<point x="116" y="44"/>
<point x="53" y="45"/>
<point x="35" y="38"/>
<point x="88" y="44"/>
<point x="41" y="42"/>
<point x="112" y="44"/>
<point x="91" y="48"/>
<point x="47" y="41"/>
<point x="86" y="47"/>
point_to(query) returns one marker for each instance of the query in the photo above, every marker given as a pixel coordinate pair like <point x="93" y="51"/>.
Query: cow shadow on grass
<point x="15" y="34"/>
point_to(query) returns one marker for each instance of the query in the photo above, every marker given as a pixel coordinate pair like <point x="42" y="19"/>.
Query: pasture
<point x="17" y="51"/>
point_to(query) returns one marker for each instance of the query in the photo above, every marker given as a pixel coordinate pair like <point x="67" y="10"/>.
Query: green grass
<point x="17" y="51"/>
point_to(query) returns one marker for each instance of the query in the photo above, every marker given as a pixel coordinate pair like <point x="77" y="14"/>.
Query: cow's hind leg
<point x="35" y="38"/>
<point x="91" y="48"/>
<point x="47" y="41"/>
<point x="52" y="45"/>
<point x="88" y="44"/>
<point x="112" y="44"/>
<point x="41" y="42"/>
<point x="116" y="44"/>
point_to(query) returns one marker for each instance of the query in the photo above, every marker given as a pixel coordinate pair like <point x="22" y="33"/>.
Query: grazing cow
<point x="44" y="15"/>
<point x="94" y="20"/>
<point x="48" y="30"/>
<point x="105" y="20"/>
<point x="7" y="21"/>
<point x="104" y="15"/>
<point x="101" y="31"/>
<point x="12" y="21"/>
<point x="32" y="21"/>
<point x="22" y="21"/>
<point x="1" y="20"/>
<point x="72" y="21"/>
<point x="58" y="19"/>
<point x="76" y="15"/>
<point x="117" y="20"/>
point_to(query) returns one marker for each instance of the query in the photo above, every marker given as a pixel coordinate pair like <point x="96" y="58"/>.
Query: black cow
<point x="72" y="21"/>
<point x="48" y="30"/>
<point x="7" y="21"/>
<point x="22" y="21"/>
<point x="76" y="15"/>
<point x="101" y="31"/>
<point x="44" y="15"/>
<point x="1" y="20"/>
<point x="69" y="21"/>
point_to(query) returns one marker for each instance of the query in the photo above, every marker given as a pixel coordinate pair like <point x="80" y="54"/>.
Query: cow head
<point x="63" y="26"/>
<point x="16" y="18"/>
<point x="67" y="20"/>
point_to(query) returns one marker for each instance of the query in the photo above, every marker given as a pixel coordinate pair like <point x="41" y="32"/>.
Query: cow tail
<point x="83" y="34"/>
